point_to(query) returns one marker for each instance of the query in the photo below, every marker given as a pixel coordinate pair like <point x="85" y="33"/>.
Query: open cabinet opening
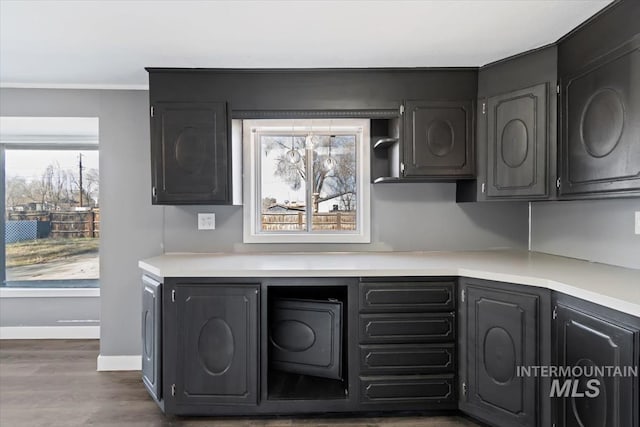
<point x="307" y="331"/>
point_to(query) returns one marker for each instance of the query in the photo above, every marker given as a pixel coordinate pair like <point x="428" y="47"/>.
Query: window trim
<point x="250" y="128"/>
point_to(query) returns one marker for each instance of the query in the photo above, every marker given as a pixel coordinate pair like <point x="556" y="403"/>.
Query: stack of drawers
<point x="407" y="343"/>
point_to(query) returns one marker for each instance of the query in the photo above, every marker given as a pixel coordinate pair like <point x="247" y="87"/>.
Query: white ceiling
<point x="107" y="43"/>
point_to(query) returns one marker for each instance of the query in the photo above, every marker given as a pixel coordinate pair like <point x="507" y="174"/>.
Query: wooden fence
<point x="296" y="221"/>
<point x="29" y="216"/>
<point x="65" y="224"/>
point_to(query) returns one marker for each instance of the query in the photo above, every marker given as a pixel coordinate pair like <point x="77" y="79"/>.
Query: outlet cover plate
<point x="206" y="221"/>
<point x="637" y="222"/>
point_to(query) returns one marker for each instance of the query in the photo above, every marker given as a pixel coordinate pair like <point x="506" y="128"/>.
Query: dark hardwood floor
<point x="55" y="383"/>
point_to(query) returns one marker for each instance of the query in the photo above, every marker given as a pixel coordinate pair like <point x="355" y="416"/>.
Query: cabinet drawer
<point x="408" y="389"/>
<point x="406" y="296"/>
<point x="406" y="328"/>
<point x="407" y="359"/>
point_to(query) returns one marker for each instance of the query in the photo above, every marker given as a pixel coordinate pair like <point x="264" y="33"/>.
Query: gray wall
<point x="130" y="226"/>
<point x="404" y="216"/>
<point x="58" y="311"/>
<point x="595" y="230"/>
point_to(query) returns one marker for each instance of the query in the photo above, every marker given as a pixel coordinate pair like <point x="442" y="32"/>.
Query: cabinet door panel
<point x="217" y="344"/>
<point x="151" y="336"/>
<point x="587" y="341"/>
<point x="190" y="153"/>
<point x="437" y="139"/>
<point x="601" y="126"/>
<point x="305" y="337"/>
<point x="517" y="143"/>
<point x="502" y="332"/>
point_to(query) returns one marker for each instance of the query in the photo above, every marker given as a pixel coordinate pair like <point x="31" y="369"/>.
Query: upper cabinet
<point x="559" y="122"/>
<point x="431" y="141"/>
<point x="196" y="145"/>
<point x="438" y="140"/>
<point x="516" y="127"/>
<point x="517" y="149"/>
<point x="601" y="125"/>
<point x="190" y="154"/>
<point x="563" y="122"/>
<point x="599" y="72"/>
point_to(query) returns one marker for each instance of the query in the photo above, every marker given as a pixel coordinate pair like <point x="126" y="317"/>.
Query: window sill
<point x="307" y="238"/>
<point x="49" y="292"/>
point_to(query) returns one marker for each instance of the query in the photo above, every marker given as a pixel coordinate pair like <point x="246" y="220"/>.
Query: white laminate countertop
<point x="614" y="287"/>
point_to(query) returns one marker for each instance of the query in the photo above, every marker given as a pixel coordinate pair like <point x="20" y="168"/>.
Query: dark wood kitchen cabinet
<point x="600" y="116"/>
<point x="407" y="353"/>
<point x="212" y="346"/>
<point x="517" y="143"/>
<point x="408" y="344"/>
<point x="516" y="130"/>
<point x="502" y="327"/>
<point x="588" y="336"/>
<point x="152" y="336"/>
<point x="194" y="113"/>
<point x="438" y="140"/>
<point x="190" y="153"/>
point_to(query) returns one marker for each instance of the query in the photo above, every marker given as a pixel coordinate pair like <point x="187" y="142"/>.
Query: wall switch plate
<point x="206" y="221"/>
<point x="637" y="222"/>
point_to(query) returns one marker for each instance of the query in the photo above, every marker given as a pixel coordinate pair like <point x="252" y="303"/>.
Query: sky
<point x="32" y="163"/>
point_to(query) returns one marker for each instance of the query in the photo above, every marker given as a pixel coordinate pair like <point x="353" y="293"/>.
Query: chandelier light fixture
<point x="293" y="155"/>
<point x="330" y="162"/>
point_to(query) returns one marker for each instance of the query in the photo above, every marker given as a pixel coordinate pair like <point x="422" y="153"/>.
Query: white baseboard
<point x="49" y="332"/>
<point x="119" y="363"/>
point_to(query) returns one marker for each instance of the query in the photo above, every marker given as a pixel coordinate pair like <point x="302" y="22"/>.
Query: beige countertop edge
<point x="610" y="296"/>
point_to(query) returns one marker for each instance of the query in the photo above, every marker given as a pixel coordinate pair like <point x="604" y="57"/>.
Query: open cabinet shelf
<point x="385" y="150"/>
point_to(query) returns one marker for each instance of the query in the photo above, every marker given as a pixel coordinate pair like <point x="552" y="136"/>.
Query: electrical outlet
<point x="637" y="222"/>
<point x="206" y="221"/>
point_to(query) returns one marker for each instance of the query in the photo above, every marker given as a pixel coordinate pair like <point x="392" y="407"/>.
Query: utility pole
<point x="80" y="167"/>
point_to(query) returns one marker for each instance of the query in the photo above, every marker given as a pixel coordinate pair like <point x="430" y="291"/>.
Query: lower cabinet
<point x="212" y="346"/>
<point x="503" y="327"/>
<point x="408" y="344"/>
<point x="407" y="336"/>
<point x="151" y="336"/>
<point x="590" y="336"/>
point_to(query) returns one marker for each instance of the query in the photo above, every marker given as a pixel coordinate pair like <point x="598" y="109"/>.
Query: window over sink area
<point x="306" y="181"/>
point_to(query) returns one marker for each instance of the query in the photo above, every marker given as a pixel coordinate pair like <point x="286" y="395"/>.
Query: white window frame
<point x="251" y="185"/>
<point x="44" y="133"/>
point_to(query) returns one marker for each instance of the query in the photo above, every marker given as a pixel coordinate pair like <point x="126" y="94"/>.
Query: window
<point x="306" y="181"/>
<point x="51" y="202"/>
